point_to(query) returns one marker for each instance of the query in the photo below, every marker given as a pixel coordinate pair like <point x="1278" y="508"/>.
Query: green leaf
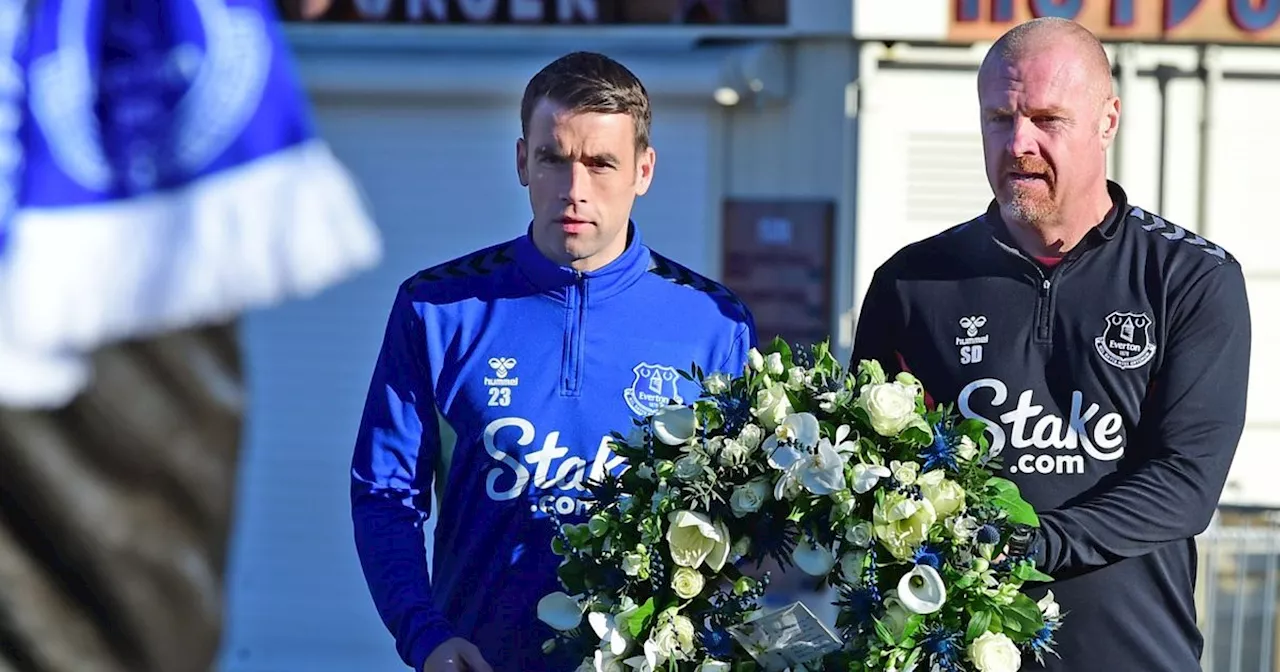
<point x="882" y="631"/>
<point x="915" y="435"/>
<point x="1020" y="512"/>
<point x="640" y="618"/>
<point x="979" y="623"/>
<point x="912" y="626"/>
<point x="1008" y="498"/>
<point x="1027" y="571"/>
<point x="1022" y="619"/>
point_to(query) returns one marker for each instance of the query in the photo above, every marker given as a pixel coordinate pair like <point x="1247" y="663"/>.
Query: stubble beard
<point x="1029" y="207"/>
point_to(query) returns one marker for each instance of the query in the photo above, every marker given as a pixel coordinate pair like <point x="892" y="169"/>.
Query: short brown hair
<point x="585" y="81"/>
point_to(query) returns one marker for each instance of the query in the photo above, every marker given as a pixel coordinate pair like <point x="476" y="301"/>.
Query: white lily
<point x="675" y="425"/>
<point x="865" y="476"/>
<point x="560" y="611"/>
<point x="812" y="559"/>
<point x="693" y="539"/>
<point x="922" y="590"/>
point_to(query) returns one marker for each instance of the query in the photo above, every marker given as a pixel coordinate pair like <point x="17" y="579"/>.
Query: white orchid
<point x="611" y="629"/>
<point x="796" y="429"/>
<point x="865" y="476"/>
<point x="821" y="471"/>
<point x="922" y="590"/>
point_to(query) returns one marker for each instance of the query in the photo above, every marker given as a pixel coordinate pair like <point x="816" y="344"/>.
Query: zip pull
<point x="1046" y="285"/>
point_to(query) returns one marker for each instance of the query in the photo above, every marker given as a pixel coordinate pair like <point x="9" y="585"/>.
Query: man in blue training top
<point x="533" y="350"/>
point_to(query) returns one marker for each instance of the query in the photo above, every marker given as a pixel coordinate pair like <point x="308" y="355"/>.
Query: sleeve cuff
<point x="422" y="649"/>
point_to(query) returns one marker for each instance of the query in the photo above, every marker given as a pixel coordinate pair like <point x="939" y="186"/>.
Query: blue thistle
<point x="861" y="604"/>
<point x="1043" y="642"/>
<point x="775" y="537"/>
<point x="716" y="641"/>
<point x="929" y="554"/>
<point x="988" y="534"/>
<point x="945" y="649"/>
<point x="735" y="410"/>
<point x="942" y="452"/>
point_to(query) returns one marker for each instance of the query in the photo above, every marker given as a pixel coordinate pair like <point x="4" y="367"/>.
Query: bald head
<point x="1065" y="39"/>
<point x="1049" y="114"/>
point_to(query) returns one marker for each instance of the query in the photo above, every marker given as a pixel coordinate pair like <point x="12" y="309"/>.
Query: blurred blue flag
<point x="164" y="172"/>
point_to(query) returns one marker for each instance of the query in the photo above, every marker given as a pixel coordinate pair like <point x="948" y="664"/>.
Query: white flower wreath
<point x="851" y="478"/>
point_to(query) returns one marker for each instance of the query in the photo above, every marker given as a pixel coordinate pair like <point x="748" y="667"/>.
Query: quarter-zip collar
<point x="1104" y="232"/>
<point x="558" y="281"/>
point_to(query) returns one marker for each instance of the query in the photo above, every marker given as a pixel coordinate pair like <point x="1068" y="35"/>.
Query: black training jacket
<point x="1113" y="385"/>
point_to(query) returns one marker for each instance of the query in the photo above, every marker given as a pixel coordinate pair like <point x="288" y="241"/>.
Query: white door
<point x="441" y="181"/>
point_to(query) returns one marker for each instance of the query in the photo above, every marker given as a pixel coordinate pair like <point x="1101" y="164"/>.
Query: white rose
<point x="963" y="528"/>
<point x="716" y="383"/>
<point x="905" y="472"/>
<point x="851" y="566"/>
<point x="689" y="467"/>
<point x="860" y="533"/>
<point x="773" y="364"/>
<point x="748" y="498"/>
<point x="751" y="436"/>
<point x="665" y="641"/>
<point x="684" y="631"/>
<point x="891" y="407"/>
<point x="710" y="665"/>
<point x="755" y="360"/>
<point x="995" y="652"/>
<point x="797" y="378"/>
<point x="772" y="406"/>
<point x="966" y="449"/>
<point x="733" y="453"/>
<point x="946" y="495"/>
<point x="687" y="583"/>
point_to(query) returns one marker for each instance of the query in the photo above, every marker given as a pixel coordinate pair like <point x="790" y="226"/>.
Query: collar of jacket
<point x="1105" y="231"/>
<point x="557" y="281"/>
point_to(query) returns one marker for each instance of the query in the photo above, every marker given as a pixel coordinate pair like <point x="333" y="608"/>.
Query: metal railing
<point x="1236" y="593"/>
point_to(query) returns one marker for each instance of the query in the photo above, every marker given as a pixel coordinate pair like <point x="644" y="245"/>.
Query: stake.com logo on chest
<point x="555" y="481"/>
<point x="1101" y="438"/>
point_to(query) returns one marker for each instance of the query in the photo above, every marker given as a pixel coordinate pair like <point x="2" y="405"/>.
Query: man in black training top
<point x="1106" y="348"/>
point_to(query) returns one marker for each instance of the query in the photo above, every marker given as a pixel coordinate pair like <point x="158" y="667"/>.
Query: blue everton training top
<point x="533" y="365"/>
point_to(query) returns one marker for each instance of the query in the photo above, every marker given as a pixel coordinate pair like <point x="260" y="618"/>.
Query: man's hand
<point x="456" y="655"/>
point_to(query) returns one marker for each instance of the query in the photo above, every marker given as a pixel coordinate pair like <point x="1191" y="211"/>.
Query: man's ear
<point x="1109" y="124"/>
<point x="645" y="162"/>
<point x="522" y="163"/>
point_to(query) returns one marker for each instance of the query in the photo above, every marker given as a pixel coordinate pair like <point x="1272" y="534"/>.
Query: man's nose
<point x="1022" y="137"/>
<point x="577" y="183"/>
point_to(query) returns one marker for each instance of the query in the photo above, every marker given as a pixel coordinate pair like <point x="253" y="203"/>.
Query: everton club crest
<point x="654" y="387"/>
<point x="1126" y="341"/>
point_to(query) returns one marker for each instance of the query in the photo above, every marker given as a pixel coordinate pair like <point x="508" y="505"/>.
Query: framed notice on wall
<point x="778" y="258"/>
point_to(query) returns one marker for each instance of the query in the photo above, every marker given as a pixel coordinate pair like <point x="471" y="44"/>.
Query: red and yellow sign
<point x="1200" y="21"/>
